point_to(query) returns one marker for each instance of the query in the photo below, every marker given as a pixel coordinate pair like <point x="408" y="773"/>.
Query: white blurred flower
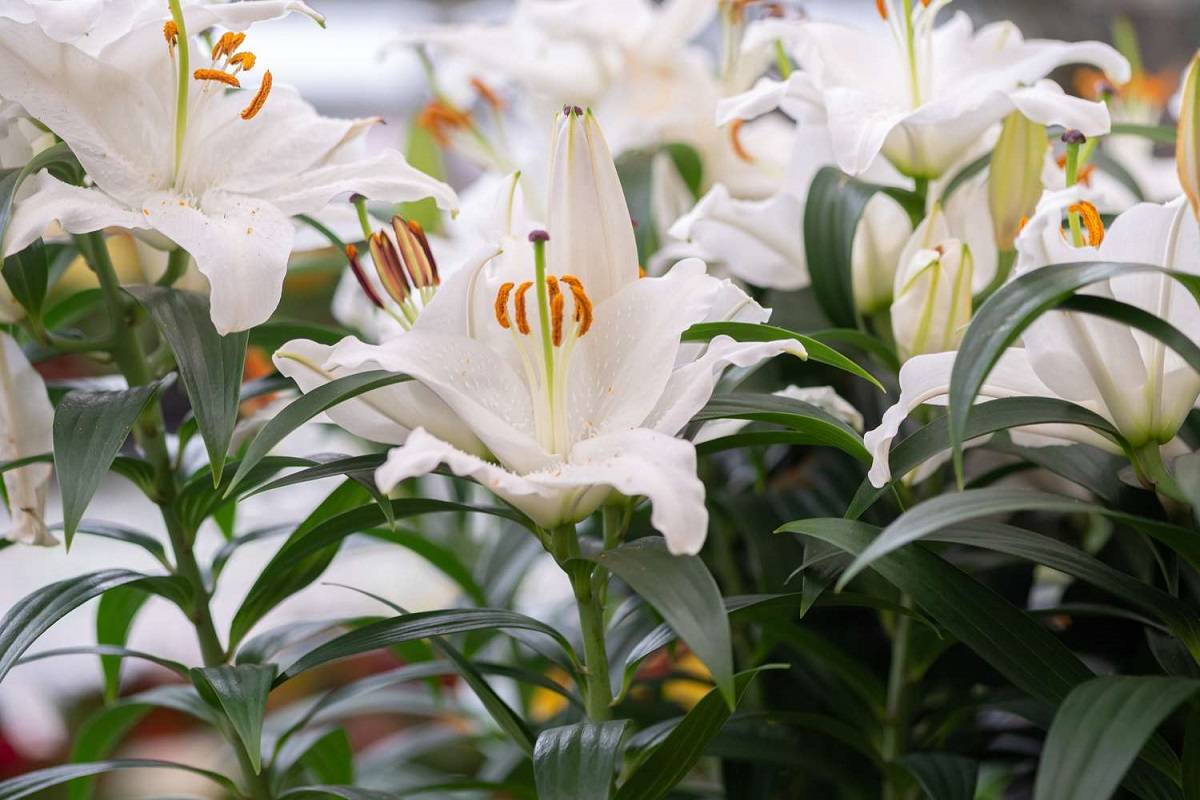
<point x="222" y="186"/>
<point x="923" y="95"/>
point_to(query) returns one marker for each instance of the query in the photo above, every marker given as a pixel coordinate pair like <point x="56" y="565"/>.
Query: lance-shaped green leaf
<point x="1099" y="731"/>
<point x="89" y="429"/>
<point x="943" y="776"/>
<point x="809" y="348"/>
<point x="575" y="762"/>
<point x="815" y="423"/>
<point x="309" y="550"/>
<point x="682" y="590"/>
<point x="27" y="275"/>
<point x="673" y="758"/>
<point x="33" y="614"/>
<point x="114" y="617"/>
<point x="304" y="408"/>
<point x="949" y="509"/>
<point x="421" y="625"/>
<point x="210" y="364"/>
<point x="241" y="692"/>
<point x="32" y="783"/>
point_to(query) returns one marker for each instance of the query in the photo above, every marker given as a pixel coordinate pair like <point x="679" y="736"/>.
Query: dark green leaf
<point x="1099" y="731"/>
<point x="752" y="332"/>
<point x="949" y="509"/>
<point x="114" y="617"/>
<point x="304" y="408"/>
<point x="990" y="417"/>
<point x="309" y="550"/>
<point x="241" y="692"/>
<point x="106" y="650"/>
<point x="1011" y="309"/>
<point x="27" y="274"/>
<point x="943" y="776"/>
<point x="331" y="758"/>
<point x="119" y="533"/>
<point x="669" y="762"/>
<point x="1162" y="134"/>
<point x="681" y="589"/>
<point x="31" y="783"/>
<point x="275" y="333"/>
<point x="575" y="762"/>
<point x="422" y="625"/>
<point x="89" y="428"/>
<point x="210" y="364"/>
<point x="36" y="612"/>
<point x="816" y="423"/>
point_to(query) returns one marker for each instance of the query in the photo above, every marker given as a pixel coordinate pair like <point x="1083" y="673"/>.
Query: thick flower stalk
<point x="562" y="369"/>
<point x="177" y="153"/>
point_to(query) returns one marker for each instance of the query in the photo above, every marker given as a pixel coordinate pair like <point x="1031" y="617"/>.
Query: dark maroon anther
<point x="578" y="111"/>
<point x="1074" y="137"/>
<point x="367" y="287"/>
<point x="539" y="236"/>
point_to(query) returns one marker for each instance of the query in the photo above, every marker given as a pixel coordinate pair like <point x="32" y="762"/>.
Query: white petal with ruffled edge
<point x="632" y="463"/>
<point x="76" y="209"/>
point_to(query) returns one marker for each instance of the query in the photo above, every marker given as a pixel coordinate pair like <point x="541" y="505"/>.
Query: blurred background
<point x="353" y="68"/>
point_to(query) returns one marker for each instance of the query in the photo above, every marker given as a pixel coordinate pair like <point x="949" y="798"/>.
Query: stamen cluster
<point x="227" y="62"/>
<point x="406" y="269"/>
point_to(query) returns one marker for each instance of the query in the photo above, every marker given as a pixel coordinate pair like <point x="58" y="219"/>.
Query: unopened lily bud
<point x="932" y="305"/>
<point x="879" y="239"/>
<point x="1187" y="139"/>
<point x="414" y="249"/>
<point x="1015" y="176"/>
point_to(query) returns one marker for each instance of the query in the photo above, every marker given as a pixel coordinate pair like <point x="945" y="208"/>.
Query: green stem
<point x="1072" y="170"/>
<point x="186" y="567"/>
<point x="177" y="264"/>
<point x="895" y="725"/>
<point x="181" y="91"/>
<point x="257" y="783"/>
<point x="589" y="600"/>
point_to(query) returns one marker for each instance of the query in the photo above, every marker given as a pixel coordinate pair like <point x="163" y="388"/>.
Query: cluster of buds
<point x="406" y="268"/>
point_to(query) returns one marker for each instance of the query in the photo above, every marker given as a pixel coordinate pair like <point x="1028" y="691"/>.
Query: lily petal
<point x="240" y="245"/>
<point x="633" y="463"/>
<point x="76" y="209"/>
<point x="591" y="233"/>
<point x="25" y="421"/>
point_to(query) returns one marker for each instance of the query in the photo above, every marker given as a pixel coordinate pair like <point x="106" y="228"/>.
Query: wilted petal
<point x="25" y="421"/>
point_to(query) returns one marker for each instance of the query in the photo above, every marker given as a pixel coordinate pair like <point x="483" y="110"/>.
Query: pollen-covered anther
<point x="1091" y="220"/>
<point x="519" y="305"/>
<point x="260" y="97"/>
<point x="583" y="303"/>
<point x="881" y="8"/>
<point x="171" y="33"/>
<point x="441" y="119"/>
<point x="227" y="45"/>
<point x="502" y="305"/>
<point x="735" y="140"/>
<point x="217" y="75"/>
<point x="244" y="60"/>
<point x="557" y="310"/>
<point x="487" y="93"/>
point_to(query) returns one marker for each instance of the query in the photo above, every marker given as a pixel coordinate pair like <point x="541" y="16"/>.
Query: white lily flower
<point x="932" y="304"/>
<point x="762" y="241"/>
<point x="576" y="383"/>
<point x="1124" y="375"/>
<point x="923" y="95"/>
<point x="222" y="185"/>
<point x="25" y="419"/>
